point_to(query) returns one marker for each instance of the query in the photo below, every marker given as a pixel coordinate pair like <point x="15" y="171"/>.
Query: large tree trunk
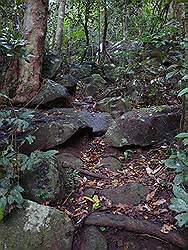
<point x="35" y="25"/>
<point x="60" y="26"/>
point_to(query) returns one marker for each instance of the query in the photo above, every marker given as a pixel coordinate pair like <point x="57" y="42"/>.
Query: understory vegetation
<point x="94" y="98"/>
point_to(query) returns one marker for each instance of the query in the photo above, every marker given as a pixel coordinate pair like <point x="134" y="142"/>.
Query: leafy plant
<point x="180" y="204"/>
<point x="179" y="162"/>
<point x="12" y="162"/>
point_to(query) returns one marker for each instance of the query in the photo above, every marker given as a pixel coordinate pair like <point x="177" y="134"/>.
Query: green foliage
<point x="12" y="43"/>
<point x="69" y="179"/>
<point x="12" y="162"/>
<point x="180" y="205"/>
<point x="179" y="162"/>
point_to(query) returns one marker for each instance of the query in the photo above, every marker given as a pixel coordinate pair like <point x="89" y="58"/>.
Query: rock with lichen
<point x="36" y="227"/>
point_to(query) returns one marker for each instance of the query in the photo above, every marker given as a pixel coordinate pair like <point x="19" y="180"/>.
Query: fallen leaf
<point x="167" y="228"/>
<point x="151" y="195"/>
<point x="159" y="202"/>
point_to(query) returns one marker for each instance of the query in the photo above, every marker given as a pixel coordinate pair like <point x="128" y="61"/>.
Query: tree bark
<point x="86" y="29"/>
<point x="35" y="25"/>
<point x="105" y="31"/>
<point x="60" y="26"/>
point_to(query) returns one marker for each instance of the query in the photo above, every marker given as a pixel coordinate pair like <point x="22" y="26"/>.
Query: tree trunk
<point x="86" y="29"/>
<point x="105" y="31"/>
<point x="60" y="26"/>
<point x="35" y="25"/>
<point x="185" y="99"/>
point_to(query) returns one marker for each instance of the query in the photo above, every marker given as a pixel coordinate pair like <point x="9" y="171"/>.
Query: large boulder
<point x="44" y="182"/>
<point x="144" y="127"/>
<point x="114" y="105"/>
<point x="36" y="227"/>
<point x="51" y="95"/>
<point x="54" y="128"/>
<point x="92" y="239"/>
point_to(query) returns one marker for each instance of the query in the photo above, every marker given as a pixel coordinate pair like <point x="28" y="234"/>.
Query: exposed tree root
<point x="136" y="226"/>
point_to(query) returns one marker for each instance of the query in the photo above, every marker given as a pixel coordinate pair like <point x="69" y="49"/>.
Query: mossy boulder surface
<point x="144" y="127"/>
<point x="36" y="227"/>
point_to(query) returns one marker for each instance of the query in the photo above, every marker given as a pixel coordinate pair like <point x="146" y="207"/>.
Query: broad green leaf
<point x="170" y="163"/>
<point x="179" y="178"/>
<point x="183" y="92"/>
<point x="5" y="96"/>
<point x="182" y="219"/>
<point x="30" y="139"/>
<point x="10" y="199"/>
<point x="178" y="205"/>
<point x="179" y="192"/>
<point x="185" y="78"/>
<point x="182" y="135"/>
<point x="171" y="74"/>
<point x="26" y="115"/>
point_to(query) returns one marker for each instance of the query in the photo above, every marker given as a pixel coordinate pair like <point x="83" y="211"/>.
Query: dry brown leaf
<point x="167" y="228"/>
<point x="159" y="202"/>
<point x="151" y="195"/>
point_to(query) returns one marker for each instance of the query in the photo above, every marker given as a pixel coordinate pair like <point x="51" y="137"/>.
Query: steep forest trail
<point x="110" y="186"/>
<point x="111" y="135"/>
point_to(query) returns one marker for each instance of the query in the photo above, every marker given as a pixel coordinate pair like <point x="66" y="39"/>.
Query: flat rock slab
<point x="132" y="194"/>
<point x="144" y="127"/>
<point x="36" y="227"/>
<point x="92" y="239"/>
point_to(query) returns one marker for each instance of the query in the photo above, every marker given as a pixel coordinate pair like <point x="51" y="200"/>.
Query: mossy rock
<point x="36" y="227"/>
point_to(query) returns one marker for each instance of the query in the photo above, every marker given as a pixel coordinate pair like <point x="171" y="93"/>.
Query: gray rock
<point x="44" y="183"/>
<point x="89" y="192"/>
<point x="69" y="161"/>
<point x="51" y="64"/>
<point x="91" y="90"/>
<point x="81" y="72"/>
<point x="94" y="85"/>
<point x="114" y="105"/>
<point x="132" y="194"/>
<point x="99" y="122"/>
<point x="92" y="239"/>
<point x="109" y="162"/>
<point x="55" y="128"/>
<point x="69" y="82"/>
<point x="144" y="127"/>
<point x="51" y="95"/>
<point x="36" y="227"/>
